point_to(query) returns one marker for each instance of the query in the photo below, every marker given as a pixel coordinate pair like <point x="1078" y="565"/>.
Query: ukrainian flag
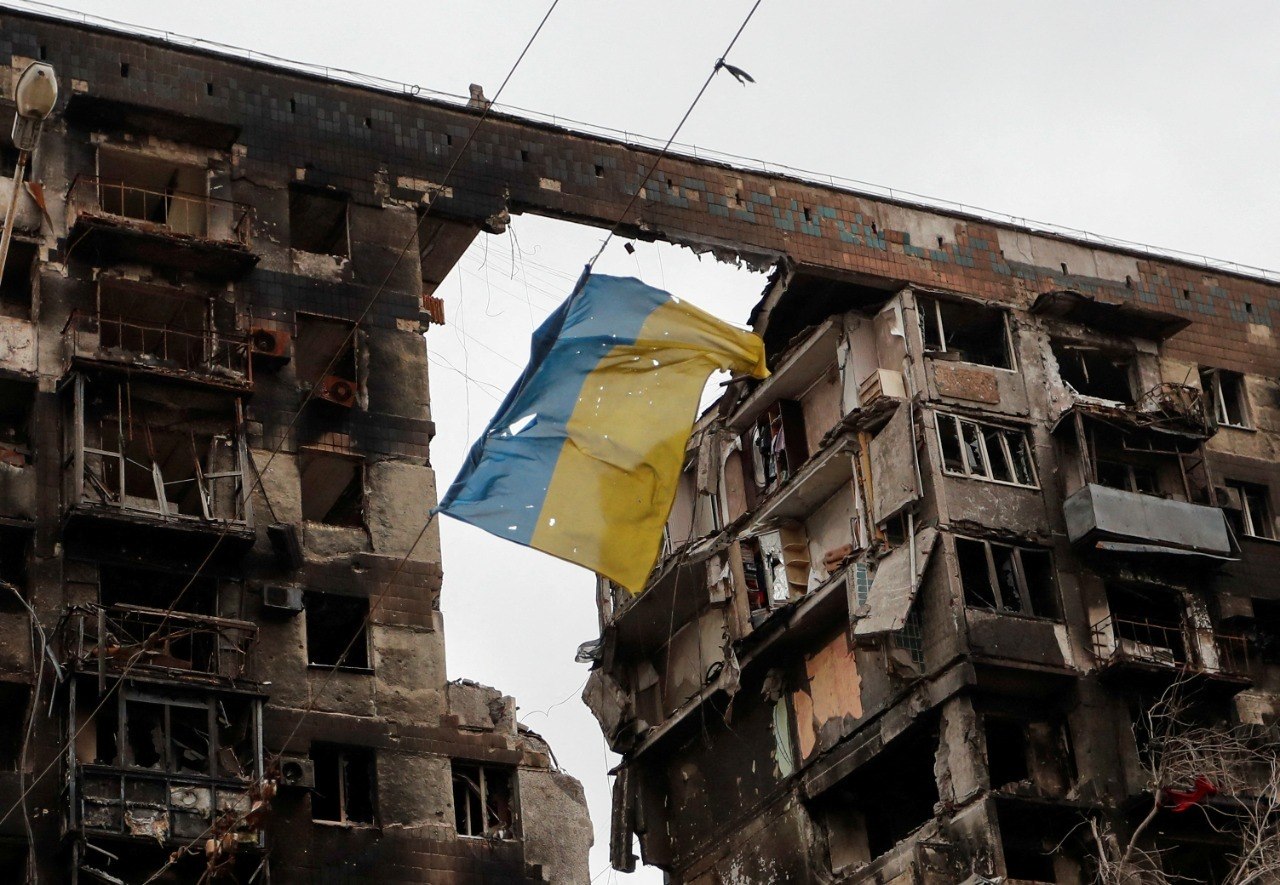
<point x="582" y="459"/>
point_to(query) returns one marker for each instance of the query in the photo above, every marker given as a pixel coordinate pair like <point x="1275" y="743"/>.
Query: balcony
<point x="160" y="807"/>
<point x="153" y="642"/>
<point x="217" y="358"/>
<point x="118" y="221"/>
<point x="1121" y="521"/>
<point x="1154" y="646"/>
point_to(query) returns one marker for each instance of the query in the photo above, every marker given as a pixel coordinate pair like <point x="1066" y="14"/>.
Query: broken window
<point x="318" y="222"/>
<point x="17" y="401"/>
<point x="145" y="449"/>
<point x="1005" y="578"/>
<point x="1227" y="397"/>
<point x="337" y="631"/>
<point x="332" y="488"/>
<point x="1036" y="752"/>
<point x="149" y="189"/>
<point x="482" y="800"/>
<point x="778" y="444"/>
<point x="1028" y="850"/>
<point x="1146" y="463"/>
<point x="345" y="784"/>
<point x="1248" y="510"/>
<point x="1146" y="625"/>
<point x="17" y="281"/>
<point x="985" y="451"/>
<point x="325" y="356"/>
<point x="1094" y="371"/>
<point x="1141" y="479"/>
<point x="14" y="697"/>
<point x="965" y="331"/>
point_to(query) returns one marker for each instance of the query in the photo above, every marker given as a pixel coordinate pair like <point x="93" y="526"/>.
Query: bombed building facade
<point x="216" y="630"/>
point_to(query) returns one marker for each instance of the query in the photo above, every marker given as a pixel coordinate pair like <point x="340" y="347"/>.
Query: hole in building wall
<point x="1095" y="371"/>
<point x="8" y="158"/>
<point x="208" y="88"/>
<point x="17" y="283"/>
<point x="1064" y="267"/>
<point x="293" y="105"/>
<point x="318" y="222"/>
<point x="524" y="156"/>
<point x="44" y="52"/>
<point x="124" y="69"/>
<point x="599" y="171"/>
<point x="13" y="700"/>
<point x="346" y="780"/>
<point x="332" y="488"/>
<point x="968" y="332"/>
<point x="368" y="122"/>
<point x="333" y="623"/>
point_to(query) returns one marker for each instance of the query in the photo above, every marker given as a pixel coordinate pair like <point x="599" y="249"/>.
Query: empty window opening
<point x="124" y="69"/>
<point x="167" y="325"/>
<point x="318" y="222"/>
<point x="1063" y="265"/>
<point x="325" y="348"/>
<point x="778" y="444"/>
<point x="8" y="165"/>
<point x="1195" y="860"/>
<point x="368" y="122"/>
<point x="524" y="156"/>
<point x="985" y="451"/>
<point x="1146" y="463"/>
<point x="482" y="800"/>
<point x="18" y="281"/>
<point x="1248" y="510"/>
<point x="1228" y="400"/>
<point x="345" y="790"/>
<point x="153" y="588"/>
<point x="808" y="217"/>
<point x="1007" y="751"/>
<point x="293" y="105"/>
<point x="1141" y="479"/>
<point x="1004" y="578"/>
<point x="965" y="331"/>
<point x="332" y="488"/>
<point x="143" y="453"/>
<point x="1266" y="630"/>
<point x="337" y="631"/>
<point x="14" y="544"/>
<point x="13" y="700"/>
<point x="1091" y="371"/>
<point x="160" y="733"/>
<point x="1029" y="853"/>
<point x="208" y="88"/>
<point x="44" y="52"/>
<point x="17" y="401"/>
<point x="148" y="189"/>
<point x="599" y="171"/>
<point x="1147" y="625"/>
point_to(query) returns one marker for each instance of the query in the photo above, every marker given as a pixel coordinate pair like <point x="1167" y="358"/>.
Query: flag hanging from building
<point x="582" y="459"/>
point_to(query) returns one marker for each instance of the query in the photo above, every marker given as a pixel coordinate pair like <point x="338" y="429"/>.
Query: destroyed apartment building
<point x="1003" y="485"/>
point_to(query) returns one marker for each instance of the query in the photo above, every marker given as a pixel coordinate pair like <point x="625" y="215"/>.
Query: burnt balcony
<point x="1122" y="521"/>
<point x="158" y="807"/>
<point x="118" y="221"/>
<point x="160" y="644"/>
<point x="220" y="359"/>
<point x="1154" y="646"/>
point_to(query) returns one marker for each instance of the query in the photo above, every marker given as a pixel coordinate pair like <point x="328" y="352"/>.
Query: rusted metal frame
<point x="238" y="214"/>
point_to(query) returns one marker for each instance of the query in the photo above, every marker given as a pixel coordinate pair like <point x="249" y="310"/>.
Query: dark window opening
<point x="17" y="402"/>
<point x="1248" y="510"/>
<point x="332" y="488"/>
<point x="368" y="122"/>
<point x="14" y="543"/>
<point x="1004" y="578"/>
<point x="984" y="451"/>
<point x="1266" y="630"/>
<point x="964" y="331"/>
<point x="1090" y="371"/>
<point x="124" y="69"/>
<point x="778" y="444"/>
<point x="150" y="189"/>
<point x="345" y="789"/>
<point x="44" y="52"/>
<point x="482" y="800"/>
<point x="599" y="171"/>
<point x="164" y="324"/>
<point x="13" y="700"/>
<point x="1185" y="860"/>
<point x="208" y="88"/>
<point x="325" y="348"/>
<point x="860" y="826"/>
<point x="8" y="164"/>
<point x="337" y="631"/>
<point x="1006" y="751"/>
<point x="1138" y="478"/>
<point x="18" y="280"/>
<point x="1147" y="625"/>
<point x="1030" y="846"/>
<point x="524" y="156"/>
<point x="318" y="222"/>
<point x="293" y="105"/>
<point x="1228" y="400"/>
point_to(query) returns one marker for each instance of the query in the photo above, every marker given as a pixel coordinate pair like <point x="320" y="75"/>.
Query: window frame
<point x="931" y="317"/>
<point x="980" y="438"/>
<point x="344" y="757"/>
<point x="1248" y="519"/>
<point x="1216" y="389"/>
<point x="483" y="770"/>
<point x="1026" y="600"/>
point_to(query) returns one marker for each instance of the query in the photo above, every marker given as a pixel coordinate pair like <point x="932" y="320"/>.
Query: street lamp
<point x="35" y="96"/>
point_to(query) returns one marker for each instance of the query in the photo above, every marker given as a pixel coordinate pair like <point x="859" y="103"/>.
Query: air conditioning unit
<point x="297" y="772"/>
<point x="270" y="344"/>
<point x="337" y="390"/>
<point x="281" y="599"/>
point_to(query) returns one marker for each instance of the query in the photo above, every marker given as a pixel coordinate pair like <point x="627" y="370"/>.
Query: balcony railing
<point x="216" y="355"/>
<point x="1149" y="643"/>
<point x="162" y="807"/>
<point x="205" y="217"/>
<point x="108" y="638"/>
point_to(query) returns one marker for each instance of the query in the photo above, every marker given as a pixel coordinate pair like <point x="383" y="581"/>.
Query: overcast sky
<point x="1158" y="123"/>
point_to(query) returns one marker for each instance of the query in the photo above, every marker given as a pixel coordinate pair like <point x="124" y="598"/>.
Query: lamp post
<point x="35" y="96"/>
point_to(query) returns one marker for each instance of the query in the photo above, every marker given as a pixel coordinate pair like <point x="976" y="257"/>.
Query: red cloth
<point x="1182" y="800"/>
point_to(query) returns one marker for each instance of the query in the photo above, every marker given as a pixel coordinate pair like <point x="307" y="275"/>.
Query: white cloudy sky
<point x="1158" y="123"/>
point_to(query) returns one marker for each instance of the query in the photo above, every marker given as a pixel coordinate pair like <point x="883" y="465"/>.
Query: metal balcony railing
<point x="1135" y="640"/>
<point x="194" y="215"/>
<point x="219" y="355"/>
<point x="107" y="638"/>
<point x="159" y="806"/>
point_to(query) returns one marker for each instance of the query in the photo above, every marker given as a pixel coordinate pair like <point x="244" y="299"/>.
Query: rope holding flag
<point x="583" y="456"/>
